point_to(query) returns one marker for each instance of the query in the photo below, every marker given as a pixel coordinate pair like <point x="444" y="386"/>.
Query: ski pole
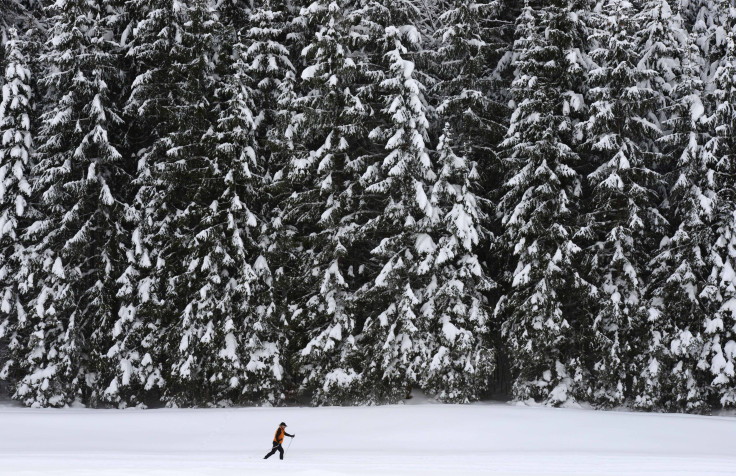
<point x="287" y="448"/>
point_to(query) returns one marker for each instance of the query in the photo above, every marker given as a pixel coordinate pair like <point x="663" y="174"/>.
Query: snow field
<point x="423" y="439"/>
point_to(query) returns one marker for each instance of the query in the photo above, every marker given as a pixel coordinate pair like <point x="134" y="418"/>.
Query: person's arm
<point x="285" y="433"/>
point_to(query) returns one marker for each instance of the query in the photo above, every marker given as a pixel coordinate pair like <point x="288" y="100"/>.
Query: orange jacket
<point x="279" y="436"/>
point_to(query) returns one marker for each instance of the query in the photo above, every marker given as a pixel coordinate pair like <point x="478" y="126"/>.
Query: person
<point x="278" y="439"/>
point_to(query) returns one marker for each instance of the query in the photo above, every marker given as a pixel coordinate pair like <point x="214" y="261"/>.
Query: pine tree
<point x="680" y="298"/>
<point x="661" y="42"/>
<point x="544" y="310"/>
<point x="198" y="182"/>
<point x="324" y="172"/>
<point x="473" y="41"/>
<point x="720" y="329"/>
<point x="252" y="297"/>
<point x="16" y="148"/>
<point x="74" y="239"/>
<point x="397" y="180"/>
<point x="152" y="109"/>
<point x="623" y="219"/>
<point x="456" y="310"/>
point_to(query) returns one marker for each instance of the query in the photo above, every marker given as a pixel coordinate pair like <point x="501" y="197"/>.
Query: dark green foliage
<point x="544" y="310"/>
<point x="623" y="220"/>
<point x="268" y="202"/>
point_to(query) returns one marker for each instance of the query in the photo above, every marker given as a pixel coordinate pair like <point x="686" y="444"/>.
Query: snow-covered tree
<point x="473" y="40"/>
<point x="271" y="73"/>
<point x="679" y="299"/>
<point x="456" y="312"/>
<point x="75" y="239"/>
<point x="623" y="217"/>
<point x="268" y="52"/>
<point x="156" y="108"/>
<point x="11" y="12"/>
<point x="709" y="30"/>
<point x="16" y="148"/>
<point x="471" y="93"/>
<point x="200" y="275"/>
<point x="239" y="173"/>
<point x="172" y="98"/>
<point x="720" y="328"/>
<point x="234" y="16"/>
<point x="544" y="310"/>
<point x="661" y="40"/>
<point x="397" y="182"/>
<point x="324" y="172"/>
<point x="270" y="46"/>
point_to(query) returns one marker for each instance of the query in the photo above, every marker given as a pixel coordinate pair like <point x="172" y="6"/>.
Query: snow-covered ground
<point x="423" y="439"/>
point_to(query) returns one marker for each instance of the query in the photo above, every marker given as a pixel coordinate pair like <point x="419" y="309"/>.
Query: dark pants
<point x="276" y="447"/>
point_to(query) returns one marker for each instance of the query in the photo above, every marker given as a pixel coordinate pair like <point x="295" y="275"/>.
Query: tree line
<point x="259" y="202"/>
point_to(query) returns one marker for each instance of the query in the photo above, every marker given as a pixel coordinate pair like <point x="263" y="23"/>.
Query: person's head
<point x="282" y="425"/>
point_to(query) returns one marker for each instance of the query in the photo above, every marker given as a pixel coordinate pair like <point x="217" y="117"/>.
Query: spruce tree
<point x="471" y="93"/>
<point x="473" y="39"/>
<point x="271" y="74"/>
<point x="276" y="36"/>
<point x="240" y="171"/>
<point x="397" y="180"/>
<point x="720" y="329"/>
<point x="16" y="148"/>
<point x="324" y="173"/>
<point x="544" y="311"/>
<point x="268" y="56"/>
<point x="174" y="46"/>
<point x="456" y="311"/>
<point x="679" y="295"/>
<point x="270" y="51"/>
<point x="661" y="41"/>
<point x="12" y="12"/>
<point x="709" y="34"/>
<point x="154" y="109"/>
<point x="74" y="240"/>
<point x="199" y="261"/>
<point x="623" y="218"/>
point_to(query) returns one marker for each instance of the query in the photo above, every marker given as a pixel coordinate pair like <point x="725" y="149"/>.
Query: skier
<point x="278" y="439"/>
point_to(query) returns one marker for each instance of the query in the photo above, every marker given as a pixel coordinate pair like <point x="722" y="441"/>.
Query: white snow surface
<point x="414" y="439"/>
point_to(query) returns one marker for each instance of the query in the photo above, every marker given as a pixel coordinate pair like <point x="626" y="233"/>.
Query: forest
<point x="210" y="203"/>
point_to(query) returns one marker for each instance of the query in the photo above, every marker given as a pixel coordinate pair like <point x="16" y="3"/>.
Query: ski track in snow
<point x="422" y="439"/>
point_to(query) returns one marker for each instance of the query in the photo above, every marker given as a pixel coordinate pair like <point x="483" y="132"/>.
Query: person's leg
<point x="281" y="452"/>
<point x="275" y="447"/>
